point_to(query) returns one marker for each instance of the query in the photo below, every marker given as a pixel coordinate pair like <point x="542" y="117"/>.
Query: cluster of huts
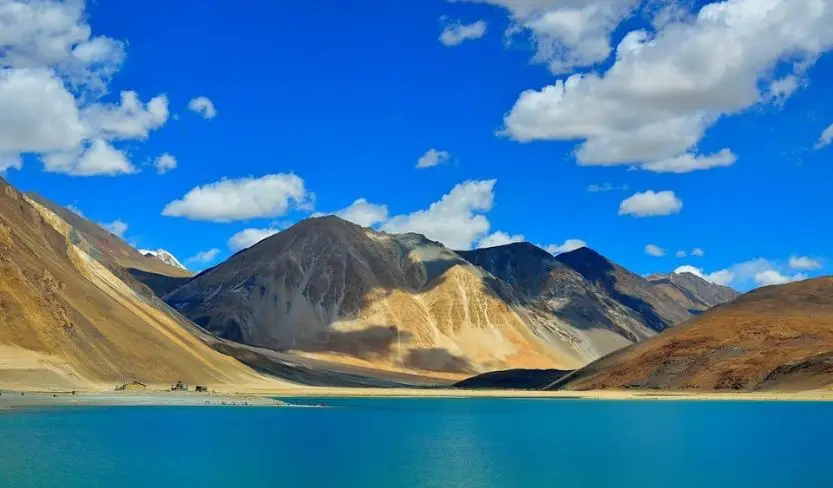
<point x="178" y="386"/>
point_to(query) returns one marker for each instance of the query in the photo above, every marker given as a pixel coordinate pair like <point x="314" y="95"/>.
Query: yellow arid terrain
<point x="66" y="321"/>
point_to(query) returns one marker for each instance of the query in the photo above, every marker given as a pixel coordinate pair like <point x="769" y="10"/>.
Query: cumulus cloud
<point x="117" y="227"/>
<point x="566" y="34"/>
<point x="606" y="187"/>
<point x="567" y="246"/>
<point x="665" y="89"/>
<point x="361" y="212"/>
<point x="688" y="162"/>
<point x="131" y="119"/>
<point x="37" y="113"/>
<point x="100" y="158"/>
<point x="826" y="138"/>
<point x="48" y="33"/>
<point x="698" y="252"/>
<point x="748" y="274"/>
<point x="651" y="204"/>
<point x="8" y="162"/>
<point x="456" y="220"/>
<point x="247" y="238"/>
<point x="681" y="254"/>
<point x="654" y="250"/>
<point x="433" y="158"/>
<point x="164" y="163"/>
<point x="229" y="200"/>
<point x="456" y="33"/>
<point x="773" y="277"/>
<point x="203" y="106"/>
<point x="499" y="239"/>
<point x="804" y="263"/>
<point x="53" y="72"/>
<point x="204" y="257"/>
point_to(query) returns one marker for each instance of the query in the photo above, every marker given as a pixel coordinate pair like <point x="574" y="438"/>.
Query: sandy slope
<point x="67" y="320"/>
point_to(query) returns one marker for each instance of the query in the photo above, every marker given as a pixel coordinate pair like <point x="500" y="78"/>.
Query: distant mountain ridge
<point x="330" y="289"/>
<point x="326" y="288"/>
<point x="164" y="256"/>
<point x="692" y="291"/>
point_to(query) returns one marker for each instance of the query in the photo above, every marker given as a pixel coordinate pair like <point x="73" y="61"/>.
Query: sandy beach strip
<point x="229" y="397"/>
<point x="11" y="400"/>
<point x="324" y="392"/>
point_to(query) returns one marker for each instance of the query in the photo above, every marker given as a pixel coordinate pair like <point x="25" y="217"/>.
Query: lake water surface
<point x="391" y="443"/>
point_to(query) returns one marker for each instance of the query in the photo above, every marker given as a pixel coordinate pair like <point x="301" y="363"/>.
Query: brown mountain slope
<point x="329" y="289"/>
<point x="106" y="247"/>
<point x="777" y="337"/>
<point x="67" y="321"/>
<point x="692" y="292"/>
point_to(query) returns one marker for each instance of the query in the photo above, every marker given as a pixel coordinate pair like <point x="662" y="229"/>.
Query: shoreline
<point x="602" y="395"/>
<point x="15" y="400"/>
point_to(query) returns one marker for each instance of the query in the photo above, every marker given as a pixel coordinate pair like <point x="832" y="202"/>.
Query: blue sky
<point x="339" y="101"/>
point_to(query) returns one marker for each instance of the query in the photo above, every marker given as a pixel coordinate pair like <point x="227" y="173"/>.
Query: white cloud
<point x="164" y="163"/>
<point x="568" y="246"/>
<point x="681" y="254"/>
<point x="203" y="106"/>
<point x="780" y="90"/>
<point x="826" y="138"/>
<point x="804" y="263"/>
<point x="363" y="213"/>
<point x="204" y="257"/>
<point x="228" y="200"/>
<point x="52" y="72"/>
<point x="499" y="239"/>
<point x="698" y="252"/>
<point x="99" y="159"/>
<point x="75" y="210"/>
<point x="456" y="220"/>
<point x="773" y="277"/>
<point x="433" y="158"/>
<point x="456" y="33"/>
<point x="665" y="89"/>
<point x="688" y="162"/>
<point x="748" y="274"/>
<point x="37" y="114"/>
<point x="654" y="250"/>
<point x="116" y="227"/>
<point x="47" y="33"/>
<point x="567" y="34"/>
<point x="605" y="187"/>
<point x="722" y="277"/>
<point x="8" y="162"/>
<point x="247" y="238"/>
<point x="131" y="119"/>
<point x="651" y="204"/>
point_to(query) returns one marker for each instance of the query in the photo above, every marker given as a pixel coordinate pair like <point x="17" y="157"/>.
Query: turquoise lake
<point x="390" y="443"/>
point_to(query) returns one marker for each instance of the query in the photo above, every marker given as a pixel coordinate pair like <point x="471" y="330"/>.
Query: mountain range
<point x="332" y="290"/>
<point x="327" y="302"/>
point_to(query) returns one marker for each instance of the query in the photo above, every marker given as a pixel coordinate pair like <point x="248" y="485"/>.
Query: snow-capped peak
<point x="164" y="256"/>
